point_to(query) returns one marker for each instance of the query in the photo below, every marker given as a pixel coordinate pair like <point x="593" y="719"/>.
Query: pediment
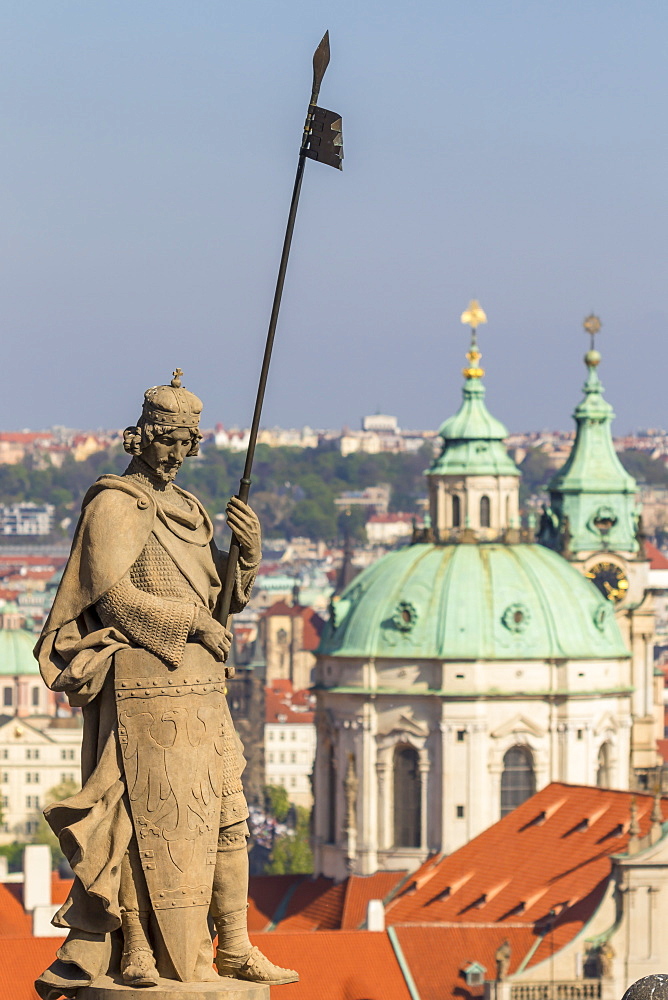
<point x="606" y="723"/>
<point x="518" y="724"/>
<point x="402" y="723"/>
<point x="13" y="728"/>
<point x="408" y="723"/>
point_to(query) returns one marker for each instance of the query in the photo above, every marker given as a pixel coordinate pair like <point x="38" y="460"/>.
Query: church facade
<point x="459" y="675"/>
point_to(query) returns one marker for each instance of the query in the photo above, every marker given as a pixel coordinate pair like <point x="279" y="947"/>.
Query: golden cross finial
<point x="592" y="325"/>
<point x="176" y="378"/>
<point x="473" y="316"/>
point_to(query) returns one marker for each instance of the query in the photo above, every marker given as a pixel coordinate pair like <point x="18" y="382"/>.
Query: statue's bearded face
<point x="166" y="452"/>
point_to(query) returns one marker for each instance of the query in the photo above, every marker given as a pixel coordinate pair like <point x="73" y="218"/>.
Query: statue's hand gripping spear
<point x="322" y="140"/>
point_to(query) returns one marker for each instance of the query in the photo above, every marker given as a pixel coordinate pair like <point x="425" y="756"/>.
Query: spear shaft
<point x="320" y="61"/>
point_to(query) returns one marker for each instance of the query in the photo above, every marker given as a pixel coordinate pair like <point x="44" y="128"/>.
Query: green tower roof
<point x="592" y="497"/>
<point x="593" y="465"/>
<point x="467" y="602"/>
<point x="473" y="438"/>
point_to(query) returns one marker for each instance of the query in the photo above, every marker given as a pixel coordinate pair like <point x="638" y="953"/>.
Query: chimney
<point x="375" y="915"/>
<point x="36" y="876"/>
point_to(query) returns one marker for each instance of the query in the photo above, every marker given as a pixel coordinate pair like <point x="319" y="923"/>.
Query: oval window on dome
<point x="405" y="616"/>
<point x="516" y="617"/>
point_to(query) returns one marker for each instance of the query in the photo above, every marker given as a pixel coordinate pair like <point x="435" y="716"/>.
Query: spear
<point x="321" y="141"/>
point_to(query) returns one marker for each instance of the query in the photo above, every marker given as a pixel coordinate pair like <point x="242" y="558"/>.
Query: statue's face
<point x="166" y="452"/>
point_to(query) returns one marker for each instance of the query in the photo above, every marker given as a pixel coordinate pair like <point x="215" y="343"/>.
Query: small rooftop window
<point x="474" y="974"/>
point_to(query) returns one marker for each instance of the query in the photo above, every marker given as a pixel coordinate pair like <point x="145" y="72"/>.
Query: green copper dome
<point x="488" y="601"/>
<point x="16" y="656"/>
<point x="473" y="439"/>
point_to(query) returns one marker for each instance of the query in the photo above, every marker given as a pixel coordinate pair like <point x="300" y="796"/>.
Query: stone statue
<point x="606" y="955"/>
<point x="502" y="958"/>
<point x="157" y="835"/>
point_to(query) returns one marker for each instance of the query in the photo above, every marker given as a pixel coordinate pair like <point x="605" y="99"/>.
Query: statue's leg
<point x="137" y="963"/>
<point x="235" y="955"/>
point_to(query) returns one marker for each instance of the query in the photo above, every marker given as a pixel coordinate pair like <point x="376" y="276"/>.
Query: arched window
<point x="456" y="512"/>
<point x="406" y="797"/>
<point x="331" y="797"/>
<point x="518" y="782"/>
<point x="603" y="766"/>
<point x="508" y="511"/>
<point x="484" y="512"/>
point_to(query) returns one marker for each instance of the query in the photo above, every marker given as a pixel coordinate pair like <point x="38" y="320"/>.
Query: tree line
<point x="293" y="490"/>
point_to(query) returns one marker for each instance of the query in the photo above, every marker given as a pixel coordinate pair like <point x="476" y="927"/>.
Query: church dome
<point x="16" y="653"/>
<point x="487" y="601"/>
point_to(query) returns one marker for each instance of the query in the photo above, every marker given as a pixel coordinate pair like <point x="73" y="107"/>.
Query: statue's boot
<point x="137" y="962"/>
<point x="236" y="957"/>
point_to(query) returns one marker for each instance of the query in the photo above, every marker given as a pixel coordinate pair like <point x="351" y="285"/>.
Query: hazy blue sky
<point x="509" y="151"/>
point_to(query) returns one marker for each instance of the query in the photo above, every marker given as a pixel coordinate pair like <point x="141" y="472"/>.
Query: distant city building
<point x="289" y="740"/>
<point x="381" y="423"/>
<point x="289" y="635"/>
<point x="36" y="754"/>
<point x="388" y="529"/>
<point x="374" y="499"/>
<point x="27" y="519"/>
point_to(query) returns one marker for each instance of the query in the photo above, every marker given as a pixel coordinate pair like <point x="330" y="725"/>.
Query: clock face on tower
<point x="610" y="580"/>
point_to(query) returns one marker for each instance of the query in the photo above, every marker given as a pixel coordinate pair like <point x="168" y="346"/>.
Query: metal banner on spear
<point x="322" y="140"/>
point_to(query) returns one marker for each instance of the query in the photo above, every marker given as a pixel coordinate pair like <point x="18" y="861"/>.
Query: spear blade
<point x="320" y="64"/>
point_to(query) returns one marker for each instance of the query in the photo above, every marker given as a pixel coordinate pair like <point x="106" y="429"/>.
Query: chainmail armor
<point x="156" y="573"/>
<point x="162" y="626"/>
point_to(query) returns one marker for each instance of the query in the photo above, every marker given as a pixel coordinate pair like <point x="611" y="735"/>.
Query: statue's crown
<point x="171" y="405"/>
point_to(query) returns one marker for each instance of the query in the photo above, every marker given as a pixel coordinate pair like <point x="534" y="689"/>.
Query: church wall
<point x="460" y="738"/>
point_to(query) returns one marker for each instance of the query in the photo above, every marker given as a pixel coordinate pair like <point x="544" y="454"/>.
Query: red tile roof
<point x="657" y="558"/>
<point x="316" y="905"/>
<point x="362" y="888"/>
<point x="552" y="852"/>
<point x="21" y="964"/>
<point x="398" y="518"/>
<point x="25" y="437"/>
<point x="337" y="965"/>
<point x="60" y="888"/>
<point x="265" y="894"/>
<point x="14" y="921"/>
<point x="313" y="626"/>
<point x="437" y="956"/>
<point x="282" y="705"/>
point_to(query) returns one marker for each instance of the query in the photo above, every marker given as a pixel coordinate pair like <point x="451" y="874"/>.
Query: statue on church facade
<point x="157" y="835"/>
<point x="502" y="959"/>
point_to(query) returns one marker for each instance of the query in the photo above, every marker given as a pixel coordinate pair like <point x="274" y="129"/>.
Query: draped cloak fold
<point x="75" y="654"/>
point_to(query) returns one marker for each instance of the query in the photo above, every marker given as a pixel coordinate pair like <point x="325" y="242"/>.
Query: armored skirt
<point x="160" y="759"/>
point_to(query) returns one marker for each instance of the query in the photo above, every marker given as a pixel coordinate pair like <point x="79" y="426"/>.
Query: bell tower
<point x="593" y="520"/>
<point x="473" y="484"/>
